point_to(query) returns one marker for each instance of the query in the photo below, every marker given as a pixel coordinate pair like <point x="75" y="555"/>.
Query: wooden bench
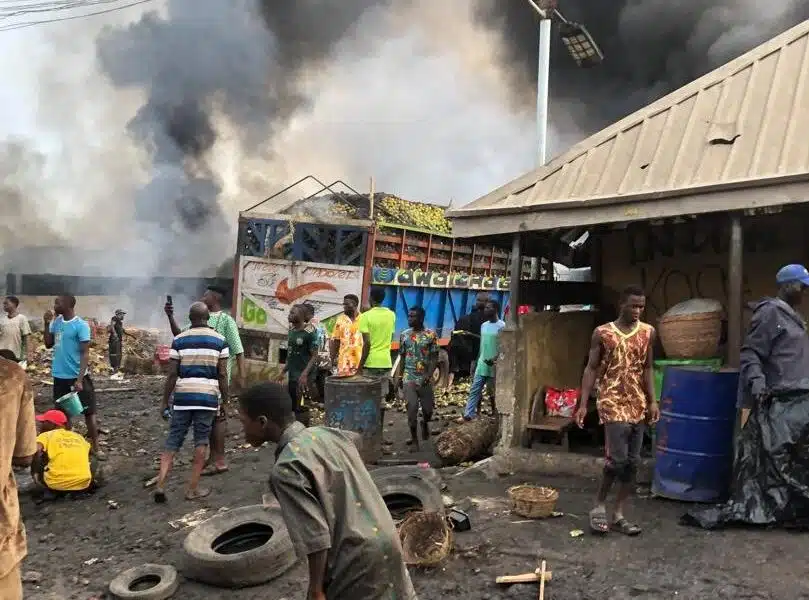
<point x="559" y="426"/>
<point x="539" y="421"/>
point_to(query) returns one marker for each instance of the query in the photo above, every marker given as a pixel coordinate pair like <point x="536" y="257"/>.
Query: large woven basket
<point x="426" y="539"/>
<point x="691" y="336"/>
<point x="533" y="502"/>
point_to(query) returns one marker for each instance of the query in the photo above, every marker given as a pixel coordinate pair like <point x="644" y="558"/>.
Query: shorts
<point x="622" y="446"/>
<point x="182" y="421"/>
<point x="87" y="395"/>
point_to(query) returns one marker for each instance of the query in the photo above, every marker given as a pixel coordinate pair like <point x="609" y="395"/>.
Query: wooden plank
<point x="551" y="424"/>
<point x="524" y="578"/>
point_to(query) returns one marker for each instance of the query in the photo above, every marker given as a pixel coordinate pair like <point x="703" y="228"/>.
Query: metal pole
<point x="543" y="72"/>
<point x="735" y="290"/>
<point x="514" y="284"/>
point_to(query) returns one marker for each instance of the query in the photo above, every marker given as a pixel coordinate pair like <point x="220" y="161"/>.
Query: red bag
<point x="161" y="354"/>
<point x="561" y="403"/>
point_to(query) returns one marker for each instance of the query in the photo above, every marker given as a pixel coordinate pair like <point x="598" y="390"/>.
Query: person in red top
<point x="620" y="362"/>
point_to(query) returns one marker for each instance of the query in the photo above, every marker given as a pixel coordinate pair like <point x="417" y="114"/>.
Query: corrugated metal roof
<point x="744" y="123"/>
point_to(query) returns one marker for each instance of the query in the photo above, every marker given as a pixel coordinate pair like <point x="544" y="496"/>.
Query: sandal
<point x="197" y="494"/>
<point x="598" y="521"/>
<point x="625" y="527"/>
<point x="211" y="470"/>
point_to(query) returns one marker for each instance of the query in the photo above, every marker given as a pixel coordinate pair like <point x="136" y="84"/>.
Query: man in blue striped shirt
<point x="198" y="376"/>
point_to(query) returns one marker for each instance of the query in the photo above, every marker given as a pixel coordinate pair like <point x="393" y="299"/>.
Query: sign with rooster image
<point x="268" y="288"/>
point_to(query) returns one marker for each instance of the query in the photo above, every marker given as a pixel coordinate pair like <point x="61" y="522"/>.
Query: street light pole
<point x="543" y="80"/>
<point x="543" y="76"/>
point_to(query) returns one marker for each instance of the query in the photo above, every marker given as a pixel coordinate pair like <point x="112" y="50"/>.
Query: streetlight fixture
<point x="580" y="45"/>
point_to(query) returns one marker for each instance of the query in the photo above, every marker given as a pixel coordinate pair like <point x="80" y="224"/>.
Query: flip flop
<point x="625" y="527"/>
<point x="598" y="522"/>
<point x="212" y="470"/>
<point x="197" y="494"/>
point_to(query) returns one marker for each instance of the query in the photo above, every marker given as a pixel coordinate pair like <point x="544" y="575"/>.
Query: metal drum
<point x="355" y="404"/>
<point x="694" y="446"/>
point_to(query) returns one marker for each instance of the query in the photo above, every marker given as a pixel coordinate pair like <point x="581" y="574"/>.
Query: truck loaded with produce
<point x="324" y="248"/>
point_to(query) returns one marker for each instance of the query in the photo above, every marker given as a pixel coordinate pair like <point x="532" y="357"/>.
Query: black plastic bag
<point x="771" y="470"/>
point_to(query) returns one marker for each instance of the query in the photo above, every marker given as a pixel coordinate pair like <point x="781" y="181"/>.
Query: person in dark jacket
<point x="775" y="355"/>
<point x="464" y="345"/>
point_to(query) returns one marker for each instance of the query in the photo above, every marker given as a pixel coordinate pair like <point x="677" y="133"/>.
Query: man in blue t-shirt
<point x="485" y="369"/>
<point x="69" y="336"/>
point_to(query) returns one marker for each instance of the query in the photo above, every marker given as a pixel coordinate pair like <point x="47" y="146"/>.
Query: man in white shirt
<point x="14" y="330"/>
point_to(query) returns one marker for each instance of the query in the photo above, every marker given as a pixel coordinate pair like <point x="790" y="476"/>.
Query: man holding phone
<point x="69" y="336"/>
<point x="221" y="322"/>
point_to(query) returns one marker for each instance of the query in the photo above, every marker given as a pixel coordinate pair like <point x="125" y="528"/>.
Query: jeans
<point x="183" y="420"/>
<point x="479" y="383"/>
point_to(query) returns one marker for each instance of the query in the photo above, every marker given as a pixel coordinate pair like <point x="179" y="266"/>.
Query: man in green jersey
<point x="301" y="359"/>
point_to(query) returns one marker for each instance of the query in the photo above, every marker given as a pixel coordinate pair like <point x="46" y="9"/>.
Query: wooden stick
<point x="542" y="581"/>
<point x="524" y="578"/>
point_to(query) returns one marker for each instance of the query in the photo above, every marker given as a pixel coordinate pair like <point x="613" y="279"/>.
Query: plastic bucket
<point x="70" y="404"/>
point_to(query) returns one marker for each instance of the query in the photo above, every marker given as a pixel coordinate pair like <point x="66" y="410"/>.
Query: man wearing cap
<point x="116" y="339"/>
<point x="61" y="464"/>
<point x="17" y="446"/>
<point x="775" y="355"/>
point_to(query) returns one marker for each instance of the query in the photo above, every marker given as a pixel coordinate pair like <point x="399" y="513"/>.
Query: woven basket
<point x="533" y="502"/>
<point x="691" y="336"/>
<point x="426" y="539"/>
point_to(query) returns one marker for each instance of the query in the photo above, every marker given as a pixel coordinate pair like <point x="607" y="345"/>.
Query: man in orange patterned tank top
<point x="620" y="363"/>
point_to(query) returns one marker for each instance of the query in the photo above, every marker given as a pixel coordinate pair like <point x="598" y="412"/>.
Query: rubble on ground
<point x="140" y="346"/>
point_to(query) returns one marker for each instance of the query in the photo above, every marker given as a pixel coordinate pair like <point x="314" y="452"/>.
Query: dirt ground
<point x="77" y="546"/>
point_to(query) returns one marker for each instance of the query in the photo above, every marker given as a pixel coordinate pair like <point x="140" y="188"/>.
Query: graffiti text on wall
<point x="649" y="243"/>
<point x="418" y="278"/>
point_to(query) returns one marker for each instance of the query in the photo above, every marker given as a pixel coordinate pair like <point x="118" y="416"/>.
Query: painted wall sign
<point x="269" y="287"/>
<point x="418" y="278"/>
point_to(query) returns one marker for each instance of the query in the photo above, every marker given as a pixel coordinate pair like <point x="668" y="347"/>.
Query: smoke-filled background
<point x="141" y="132"/>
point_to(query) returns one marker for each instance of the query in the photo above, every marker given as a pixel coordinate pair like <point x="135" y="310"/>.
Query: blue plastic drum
<point x="694" y="445"/>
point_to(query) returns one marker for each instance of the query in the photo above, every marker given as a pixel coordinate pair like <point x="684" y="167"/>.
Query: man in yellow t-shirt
<point x="62" y="461"/>
<point x="377" y="326"/>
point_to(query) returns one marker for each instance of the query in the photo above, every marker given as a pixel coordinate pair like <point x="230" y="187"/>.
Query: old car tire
<point x="162" y="577"/>
<point x="407" y="491"/>
<point x="242" y="547"/>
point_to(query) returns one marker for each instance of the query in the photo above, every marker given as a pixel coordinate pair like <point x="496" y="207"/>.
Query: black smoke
<point x="651" y="47"/>
<point x="241" y="59"/>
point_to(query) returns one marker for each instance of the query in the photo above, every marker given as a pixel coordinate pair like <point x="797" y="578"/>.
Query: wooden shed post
<point x="514" y="283"/>
<point x="735" y="270"/>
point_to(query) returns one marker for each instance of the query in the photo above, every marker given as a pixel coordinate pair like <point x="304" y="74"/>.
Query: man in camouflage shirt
<point x="333" y="511"/>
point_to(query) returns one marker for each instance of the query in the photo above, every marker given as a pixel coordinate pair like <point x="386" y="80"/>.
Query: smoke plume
<point x="651" y="47"/>
<point x="181" y="115"/>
